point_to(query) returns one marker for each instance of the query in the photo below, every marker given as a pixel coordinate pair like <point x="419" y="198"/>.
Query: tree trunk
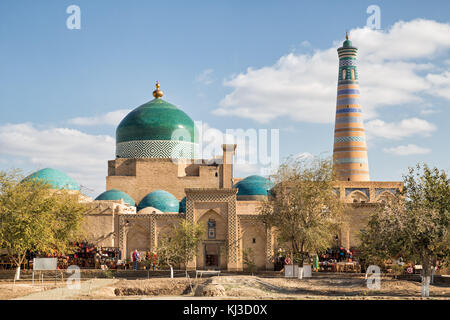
<point x="426" y="266"/>
<point x="17" y="275"/>
<point x="171" y="271"/>
<point x="18" y="264"/>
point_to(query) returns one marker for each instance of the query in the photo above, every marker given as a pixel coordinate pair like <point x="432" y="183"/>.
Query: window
<point x="254" y="240"/>
<point x="343" y="74"/>
<point x="211" y="229"/>
<point x="353" y="74"/>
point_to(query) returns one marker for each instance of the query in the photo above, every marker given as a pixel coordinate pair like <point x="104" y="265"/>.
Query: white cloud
<point x="248" y="157"/>
<point x="407" y="150"/>
<point x="205" y="77"/>
<point x="426" y="112"/>
<point x="396" y="131"/>
<point x="80" y="155"/>
<point x="112" y="118"/>
<point x="441" y="84"/>
<point x="392" y="68"/>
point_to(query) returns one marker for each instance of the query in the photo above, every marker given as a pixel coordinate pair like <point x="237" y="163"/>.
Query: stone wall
<point x="138" y="177"/>
<point x="101" y="224"/>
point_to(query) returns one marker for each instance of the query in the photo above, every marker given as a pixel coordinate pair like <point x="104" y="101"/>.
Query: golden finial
<point x="346" y="35"/>
<point x="157" y="93"/>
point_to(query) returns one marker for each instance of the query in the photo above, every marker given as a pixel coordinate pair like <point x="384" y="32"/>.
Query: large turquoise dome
<point x="156" y="129"/>
<point x="161" y="200"/>
<point x="57" y="179"/>
<point x="115" y="194"/>
<point x="253" y="186"/>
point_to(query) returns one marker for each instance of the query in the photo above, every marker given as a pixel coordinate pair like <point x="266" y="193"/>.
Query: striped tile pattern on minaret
<point x="350" y="150"/>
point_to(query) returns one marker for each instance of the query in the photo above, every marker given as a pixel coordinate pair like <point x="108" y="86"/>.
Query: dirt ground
<point x="244" y="287"/>
<point x="9" y="290"/>
<point x="253" y="287"/>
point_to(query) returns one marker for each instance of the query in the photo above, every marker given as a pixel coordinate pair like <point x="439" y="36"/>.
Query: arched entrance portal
<point x="212" y="252"/>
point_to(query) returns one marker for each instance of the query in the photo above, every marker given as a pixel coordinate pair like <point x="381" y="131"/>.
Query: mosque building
<point x="152" y="184"/>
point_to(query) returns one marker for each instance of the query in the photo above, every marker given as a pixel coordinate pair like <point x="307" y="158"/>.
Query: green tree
<point x="303" y="208"/>
<point x="182" y="246"/>
<point x="415" y="224"/>
<point x="36" y="218"/>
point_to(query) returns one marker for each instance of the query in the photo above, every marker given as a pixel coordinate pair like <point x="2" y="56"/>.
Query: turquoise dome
<point x="183" y="205"/>
<point x="57" y="179"/>
<point x="156" y="129"/>
<point x="253" y="186"/>
<point x="161" y="200"/>
<point x="155" y="120"/>
<point x="115" y="194"/>
<point x="347" y="43"/>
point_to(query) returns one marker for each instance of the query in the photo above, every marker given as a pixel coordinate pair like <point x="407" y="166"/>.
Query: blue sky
<point x="230" y="64"/>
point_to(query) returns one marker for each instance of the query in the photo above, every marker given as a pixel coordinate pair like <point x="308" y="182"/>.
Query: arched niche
<point x="253" y="239"/>
<point x="137" y="238"/>
<point x="385" y="196"/>
<point x="357" y="197"/>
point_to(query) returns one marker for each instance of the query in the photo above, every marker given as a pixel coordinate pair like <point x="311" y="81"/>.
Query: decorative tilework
<point x="348" y="91"/>
<point x="349" y="120"/>
<point x="347" y="62"/>
<point x="350" y="160"/>
<point x="168" y="149"/>
<point x="349" y="139"/>
<point x="347" y="110"/>
<point x="227" y="196"/>
<point x="344" y="101"/>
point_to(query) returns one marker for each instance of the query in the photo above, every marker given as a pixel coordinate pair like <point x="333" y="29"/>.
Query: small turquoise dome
<point x="161" y="200"/>
<point x="253" y="186"/>
<point x="347" y="43"/>
<point x="183" y="205"/>
<point x="57" y="179"/>
<point x="115" y="194"/>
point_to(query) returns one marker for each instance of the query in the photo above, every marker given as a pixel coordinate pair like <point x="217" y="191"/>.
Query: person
<point x="135" y="258"/>
<point x="154" y="261"/>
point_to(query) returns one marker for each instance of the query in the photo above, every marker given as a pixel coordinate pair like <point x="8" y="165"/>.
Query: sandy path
<point x="64" y="293"/>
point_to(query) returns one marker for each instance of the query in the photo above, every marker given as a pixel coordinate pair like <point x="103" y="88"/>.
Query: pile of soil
<point x="155" y="287"/>
<point x="210" y="290"/>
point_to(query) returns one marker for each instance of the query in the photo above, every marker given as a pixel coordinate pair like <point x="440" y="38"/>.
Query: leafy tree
<point x="248" y="258"/>
<point x="182" y="246"/>
<point x="303" y="208"/>
<point x="35" y="218"/>
<point x="415" y="224"/>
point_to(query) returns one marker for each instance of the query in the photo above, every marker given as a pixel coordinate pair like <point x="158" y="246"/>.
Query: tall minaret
<point x="349" y="151"/>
